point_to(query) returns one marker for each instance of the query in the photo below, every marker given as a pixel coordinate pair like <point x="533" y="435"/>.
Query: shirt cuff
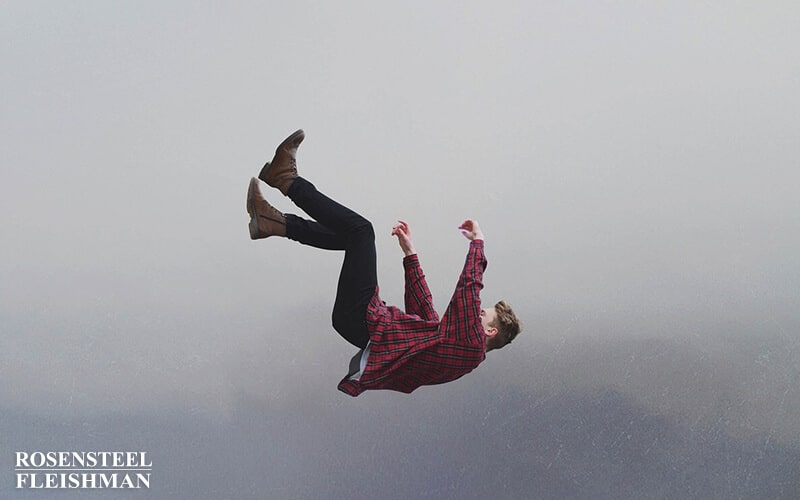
<point x="410" y="260"/>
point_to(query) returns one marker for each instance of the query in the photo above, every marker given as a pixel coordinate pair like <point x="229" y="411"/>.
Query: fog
<point x="634" y="168"/>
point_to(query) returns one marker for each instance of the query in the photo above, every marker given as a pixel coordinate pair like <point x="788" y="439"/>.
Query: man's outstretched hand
<point x="471" y="230"/>
<point x="403" y="233"/>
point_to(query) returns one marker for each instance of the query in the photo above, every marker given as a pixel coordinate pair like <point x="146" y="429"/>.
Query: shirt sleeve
<point x="418" y="298"/>
<point x="462" y="320"/>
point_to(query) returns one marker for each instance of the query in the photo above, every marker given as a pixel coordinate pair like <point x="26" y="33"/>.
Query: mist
<point x="633" y="167"/>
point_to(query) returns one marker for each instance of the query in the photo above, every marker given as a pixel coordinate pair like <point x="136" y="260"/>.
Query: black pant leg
<point x="357" y="284"/>
<point x="331" y="214"/>
<point x="339" y="228"/>
<point x="312" y="233"/>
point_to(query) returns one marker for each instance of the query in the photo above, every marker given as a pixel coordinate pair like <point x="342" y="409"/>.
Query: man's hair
<point x="507" y="324"/>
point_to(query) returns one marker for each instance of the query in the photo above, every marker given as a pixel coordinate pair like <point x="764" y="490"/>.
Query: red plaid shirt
<point x="413" y="348"/>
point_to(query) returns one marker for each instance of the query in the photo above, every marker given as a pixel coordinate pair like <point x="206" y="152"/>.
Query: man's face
<point x="487" y="317"/>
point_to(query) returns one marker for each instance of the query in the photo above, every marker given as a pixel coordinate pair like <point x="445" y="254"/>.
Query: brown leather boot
<point x="265" y="220"/>
<point x="282" y="171"/>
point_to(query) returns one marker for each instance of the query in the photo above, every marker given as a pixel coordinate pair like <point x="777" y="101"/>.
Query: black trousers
<point x="336" y="227"/>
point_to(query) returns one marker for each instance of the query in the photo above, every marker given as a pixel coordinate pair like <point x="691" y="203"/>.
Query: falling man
<point x="399" y="350"/>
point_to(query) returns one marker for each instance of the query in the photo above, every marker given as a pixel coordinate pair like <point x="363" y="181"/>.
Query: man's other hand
<point x="403" y="233"/>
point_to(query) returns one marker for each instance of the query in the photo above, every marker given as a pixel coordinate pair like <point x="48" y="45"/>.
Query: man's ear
<point x="491" y="332"/>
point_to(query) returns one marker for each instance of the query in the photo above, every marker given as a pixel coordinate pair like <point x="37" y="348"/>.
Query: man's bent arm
<point x="462" y="318"/>
<point x="418" y="296"/>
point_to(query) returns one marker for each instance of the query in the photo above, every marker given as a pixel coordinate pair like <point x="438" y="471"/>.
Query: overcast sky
<point x="634" y="167"/>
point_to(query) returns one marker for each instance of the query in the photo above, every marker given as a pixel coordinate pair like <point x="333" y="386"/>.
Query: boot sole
<point x="251" y="209"/>
<point x="264" y="171"/>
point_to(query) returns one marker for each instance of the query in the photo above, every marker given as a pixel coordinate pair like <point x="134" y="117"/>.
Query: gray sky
<point x="634" y="167"/>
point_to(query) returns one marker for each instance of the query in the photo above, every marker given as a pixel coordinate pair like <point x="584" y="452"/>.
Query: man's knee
<point x="368" y="229"/>
<point x="363" y="231"/>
